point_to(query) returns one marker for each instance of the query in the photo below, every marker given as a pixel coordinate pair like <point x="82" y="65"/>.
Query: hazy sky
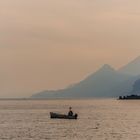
<point x="49" y="44"/>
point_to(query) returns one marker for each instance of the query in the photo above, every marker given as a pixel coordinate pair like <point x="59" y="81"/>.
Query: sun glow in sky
<point x="50" y="44"/>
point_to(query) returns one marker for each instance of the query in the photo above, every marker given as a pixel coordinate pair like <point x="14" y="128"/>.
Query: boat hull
<point x="62" y="116"/>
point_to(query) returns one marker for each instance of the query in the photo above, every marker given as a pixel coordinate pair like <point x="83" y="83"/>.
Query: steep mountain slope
<point x="132" y="68"/>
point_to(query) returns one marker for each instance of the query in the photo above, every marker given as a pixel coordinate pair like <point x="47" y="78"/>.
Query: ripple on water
<point x="98" y="120"/>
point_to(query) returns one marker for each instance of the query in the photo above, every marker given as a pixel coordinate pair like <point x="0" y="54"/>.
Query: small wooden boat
<point x="62" y="116"/>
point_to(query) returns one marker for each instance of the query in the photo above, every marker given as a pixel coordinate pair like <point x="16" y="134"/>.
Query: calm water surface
<point x="101" y="119"/>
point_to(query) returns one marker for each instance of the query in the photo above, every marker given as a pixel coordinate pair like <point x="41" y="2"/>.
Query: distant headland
<point x="130" y="97"/>
<point x="135" y="93"/>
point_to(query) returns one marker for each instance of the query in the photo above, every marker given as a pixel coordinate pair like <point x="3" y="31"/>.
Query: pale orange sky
<point x="50" y="44"/>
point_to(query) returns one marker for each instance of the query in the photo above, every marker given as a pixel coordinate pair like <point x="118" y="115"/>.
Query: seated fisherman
<point x="70" y="113"/>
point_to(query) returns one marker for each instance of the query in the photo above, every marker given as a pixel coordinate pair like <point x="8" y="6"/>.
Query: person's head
<point x="70" y="108"/>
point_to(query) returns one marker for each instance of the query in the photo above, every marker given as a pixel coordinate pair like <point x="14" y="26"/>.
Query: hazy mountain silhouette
<point x="106" y="82"/>
<point x="136" y="87"/>
<point x="132" y="68"/>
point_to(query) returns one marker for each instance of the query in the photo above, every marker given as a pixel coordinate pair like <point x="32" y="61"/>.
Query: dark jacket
<point x="70" y="113"/>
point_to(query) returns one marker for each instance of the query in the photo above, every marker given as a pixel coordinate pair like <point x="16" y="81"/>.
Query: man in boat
<point x="70" y="113"/>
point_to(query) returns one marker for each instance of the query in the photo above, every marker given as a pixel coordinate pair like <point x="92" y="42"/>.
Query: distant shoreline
<point x="33" y="99"/>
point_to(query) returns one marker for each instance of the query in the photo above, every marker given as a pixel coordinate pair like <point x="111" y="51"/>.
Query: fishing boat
<point x="62" y="116"/>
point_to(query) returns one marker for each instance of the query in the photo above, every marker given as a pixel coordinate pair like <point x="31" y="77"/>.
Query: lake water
<point x="99" y="119"/>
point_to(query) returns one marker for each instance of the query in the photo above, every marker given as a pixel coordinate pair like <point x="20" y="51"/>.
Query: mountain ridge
<point x="95" y="85"/>
<point x="106" y="82"/>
